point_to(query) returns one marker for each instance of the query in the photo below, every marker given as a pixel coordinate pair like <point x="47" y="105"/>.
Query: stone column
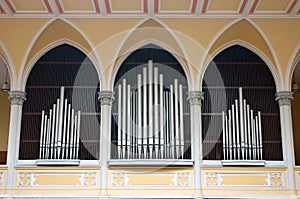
<point x="284" y="99"/>
<point x="106" y="99"/>
<point x="195" y="99"/>
<point x="16" y="98"/>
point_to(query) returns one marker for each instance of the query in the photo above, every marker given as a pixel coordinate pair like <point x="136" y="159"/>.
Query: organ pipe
<point x="60" y="132"/>
<point x="244" y="129"/>
<point x="158" y="135"/>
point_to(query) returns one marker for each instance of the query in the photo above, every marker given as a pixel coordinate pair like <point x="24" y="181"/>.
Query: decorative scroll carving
<point x="284" y="98"/>
<point x="132" y="179"/>
<point x="195" y="97"/>
<point x="17" y="97"/>
<point x="106" y="97"/>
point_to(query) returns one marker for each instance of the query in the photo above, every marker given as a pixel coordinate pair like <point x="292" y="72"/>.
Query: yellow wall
<point x="4" y="120"/>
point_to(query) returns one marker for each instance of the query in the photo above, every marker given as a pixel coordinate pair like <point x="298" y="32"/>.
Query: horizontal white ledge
<point x="243" y="162"/>
<point x="150" y="162"/>
<point x="62" y="163"/>
<point x="218" y="163"/>
<point x="59" y="162"/>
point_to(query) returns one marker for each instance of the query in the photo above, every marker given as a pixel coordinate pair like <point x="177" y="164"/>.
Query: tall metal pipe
<point x="241" y="118"/>
<point x="42" y="133"/>
<point x="139" y="118"/>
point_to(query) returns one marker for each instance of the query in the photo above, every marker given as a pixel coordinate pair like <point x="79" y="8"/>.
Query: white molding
<point x="218" y="163"/>
<point x="150" y="162"/>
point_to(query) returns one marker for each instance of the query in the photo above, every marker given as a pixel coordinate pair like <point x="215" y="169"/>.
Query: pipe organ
<point x="60" y="131"/>
<point x="242" y="132"/>
<point x="150" y="118"/>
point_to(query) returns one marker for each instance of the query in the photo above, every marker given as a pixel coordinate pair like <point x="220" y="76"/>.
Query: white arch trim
<point x="11" y="67"/>
<point x="47" y="49"/>
<point x="291" y="68"/>
<point x="141" y="44"/>
<point x="249" y="47"/>
<point x="276" y="74"/>
<point x="171" y="32"/>
<point x="23" y="75"/>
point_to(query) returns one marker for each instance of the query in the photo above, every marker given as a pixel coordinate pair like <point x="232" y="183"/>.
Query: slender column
<point x="106" y="98"/>
<point x="284" y="99"/>
<point x="195" y="98"/>
<point x="16" y="98"/>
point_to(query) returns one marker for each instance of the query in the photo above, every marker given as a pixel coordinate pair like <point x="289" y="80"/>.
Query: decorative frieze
<point x="284" y="98"/>
<point x="106" y="97"/>
<point x="163" y="179"/>
<point x="1" y="178"/>
<point x="195" y="97"/>
<point x="247" y="179"/>
<point x="36" y="179"/>
<point x="17" y="97"/>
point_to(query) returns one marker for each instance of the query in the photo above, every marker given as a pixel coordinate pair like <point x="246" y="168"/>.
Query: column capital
<point x="284" y="98"/>
<point x="195" y="97"/>
<point x="106" y="97"/>
<point x="17" y="97"/>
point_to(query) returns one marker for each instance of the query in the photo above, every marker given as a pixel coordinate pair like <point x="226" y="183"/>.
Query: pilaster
<point x="195" y="99"/>
<point x="16" y="98"/>
<point x="284" y="99"/>
<point x="106" y="99"/>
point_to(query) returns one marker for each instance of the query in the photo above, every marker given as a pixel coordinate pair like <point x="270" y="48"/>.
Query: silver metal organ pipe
<point x="128" y="116"/>
<point x="48" y="136"/>
<point x="123" y="137"/>
<point x="176" y="139"/>
<point x="145" y="118"/>
<point x="161" y="117"/>
<point x="60" y="121"/>
<point x="181" y="138"/>
<point x="249" y="132"/>
<point x="119" y="121"/>
<point x="56" y="127"/>
<point x="238" y="141"/>
<point x="78" y="135"/>
<point x="257" y="138"/>
<point x="241" y="118"/>
<point x="226" y="137"/>
<point x="172" y="131"/>
<point x="71" y="135"/>
<point x="245" y="129"/>
<point x="230" y="135"/>
<point x="233" y="133"/>
<point x="156" y="137"/>
<point x="150" y="104"/>
<point x="53" y="131"/>
<point x="224" y="134"/>
<point x="42" y="133"/>
<point x="68" y="131"/>
<point x="139" y="118"/>
<point x="260" y="135"/>
<point x="64" y="128"/>
<point x="253" y="135"/>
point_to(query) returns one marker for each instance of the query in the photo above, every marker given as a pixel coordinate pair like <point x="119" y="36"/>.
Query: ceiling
<point x="149" y="8"/>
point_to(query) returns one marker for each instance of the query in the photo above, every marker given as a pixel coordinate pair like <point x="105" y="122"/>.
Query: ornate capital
<point x="106" y="97"/>
<point x="284" y="98"/>
<point x="17" y="97"/>
<point x="195" y="97"/>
